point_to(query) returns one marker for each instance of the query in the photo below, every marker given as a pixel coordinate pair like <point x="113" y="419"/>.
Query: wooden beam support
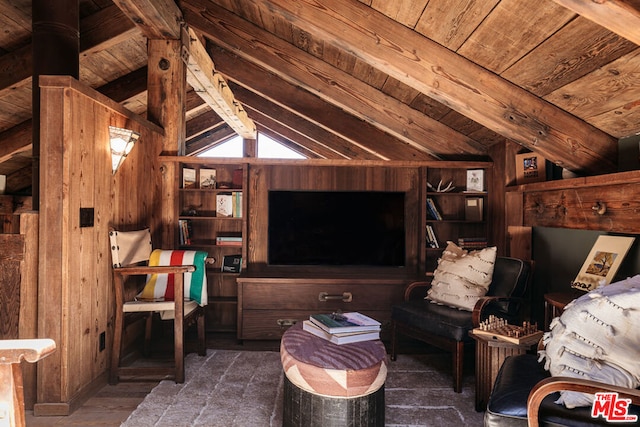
<point x="162" y="20"/>
<point x="451" y="79"/>
<point x="360" y="134"/>
<point x="329" y="83"/>
<point x="618" y="16"/>
<point x="212" y="87"/>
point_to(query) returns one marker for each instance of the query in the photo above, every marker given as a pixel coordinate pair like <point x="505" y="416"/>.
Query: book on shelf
<point x="184" y="226"/>
<point x="345" y="322"/>
<point x="432" y="240"/>
<point x="475" y="180"/>
<point x="473" y="208"/>
<point x="340" y="338"/>
<point x="432" y="210"/>
<point x="229" y="241"/>
<point x="188" y="178"/>
<point x="237" y="204"/>
<point x="224" y="204"/>
<point x="208" y="178"/>
<point x="231" y="263"/>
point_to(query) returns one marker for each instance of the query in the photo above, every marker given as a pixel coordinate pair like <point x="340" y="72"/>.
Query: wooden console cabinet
<point x="268" y="305"/>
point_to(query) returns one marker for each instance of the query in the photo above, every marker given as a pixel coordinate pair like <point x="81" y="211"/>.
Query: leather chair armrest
<point x="553" y="384"/>
<point x="476" y="315"/>
<point x="412" y="287"/>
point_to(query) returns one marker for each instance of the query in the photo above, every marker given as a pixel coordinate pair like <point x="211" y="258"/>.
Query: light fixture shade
<point x="121" y="141"/>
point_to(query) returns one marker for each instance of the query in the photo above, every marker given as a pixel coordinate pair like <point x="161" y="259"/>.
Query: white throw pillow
<point x="597" y="338"/>
<point x="462" y="277"/>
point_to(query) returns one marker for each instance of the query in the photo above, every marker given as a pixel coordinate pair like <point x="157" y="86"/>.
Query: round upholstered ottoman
<point x="332" y="385"/>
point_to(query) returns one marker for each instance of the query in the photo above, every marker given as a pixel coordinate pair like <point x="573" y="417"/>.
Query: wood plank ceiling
<point x="370" y="79"/>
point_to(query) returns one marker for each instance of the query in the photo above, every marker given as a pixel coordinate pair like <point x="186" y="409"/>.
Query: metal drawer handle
<point x="345" y="297"/>
<point x="284" y="323"/>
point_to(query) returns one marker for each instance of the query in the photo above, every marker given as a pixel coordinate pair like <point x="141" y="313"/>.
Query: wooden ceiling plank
<point x="326" y="81"/>
<point x="211" y="86"/>
<point x="511" y="30"/>
<point x="451" y="22"/>
<point x="455" y="81"/>
<point x="602" y="90"/>
<point x="619" y="16"/>
<point x="577" y="49"/>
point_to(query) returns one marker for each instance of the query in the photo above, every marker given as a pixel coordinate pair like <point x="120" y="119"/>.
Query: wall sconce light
<point x="121" y="141"/>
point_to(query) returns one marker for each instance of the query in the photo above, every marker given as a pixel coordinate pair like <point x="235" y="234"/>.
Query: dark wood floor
<point x="113" y="404"/>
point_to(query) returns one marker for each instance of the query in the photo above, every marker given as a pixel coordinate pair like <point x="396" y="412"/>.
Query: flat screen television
<point x="336" y="228"/>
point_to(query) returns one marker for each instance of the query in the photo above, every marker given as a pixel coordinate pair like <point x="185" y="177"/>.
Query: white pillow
<point x="597" y="338"/>
<point x="462" y="277"/>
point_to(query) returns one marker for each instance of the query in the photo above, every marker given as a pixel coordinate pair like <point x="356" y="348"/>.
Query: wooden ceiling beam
<point x="325" y="81"/>
<point x="618" y="16"/>
<point x="451" y="79"/>
<point x="313" y="109"/>
<point x="310" y="137"/>
<point x="209" y="139"/>
<point x="94" y="35"/>
<point x="162" y="20"/>
<point x="212" y="87"/>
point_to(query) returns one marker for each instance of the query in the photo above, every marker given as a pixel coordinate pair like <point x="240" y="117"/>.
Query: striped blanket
<point x="160" y="287"/>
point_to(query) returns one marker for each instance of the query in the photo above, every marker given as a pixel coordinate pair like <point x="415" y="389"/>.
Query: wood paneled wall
<point x="74" y="285"/>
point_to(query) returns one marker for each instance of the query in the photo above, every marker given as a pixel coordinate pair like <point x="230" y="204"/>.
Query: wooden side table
<point x="555" y="302"/>
<point x="490" y="354"/>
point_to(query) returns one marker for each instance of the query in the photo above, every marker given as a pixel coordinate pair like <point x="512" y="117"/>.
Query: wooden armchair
<point x="448" y="328"/>
<point x="130" y="252"/>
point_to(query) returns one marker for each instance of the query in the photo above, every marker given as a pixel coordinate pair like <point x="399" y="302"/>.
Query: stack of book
<point x="343" y="328"/>
<point x="472" y="242"/>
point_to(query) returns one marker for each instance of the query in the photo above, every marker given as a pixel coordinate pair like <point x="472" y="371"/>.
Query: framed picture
<point x="530" y="167"/>
<point x="208" y="178"/>
<point x="603" y="262"/>
<point x="475" y="181"/>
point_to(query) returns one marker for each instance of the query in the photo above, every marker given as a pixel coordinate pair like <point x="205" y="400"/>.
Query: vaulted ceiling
<point x="368" y="79"/>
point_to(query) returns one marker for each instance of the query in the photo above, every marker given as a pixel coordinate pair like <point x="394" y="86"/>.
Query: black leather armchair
<point x="448" y="328"/>
<point x="524" y="387"/>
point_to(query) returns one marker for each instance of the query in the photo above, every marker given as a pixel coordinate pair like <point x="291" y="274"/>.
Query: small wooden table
<point x="555" y="302"/>
<point x="12" y="352"/>
<point x="490" y="354"/>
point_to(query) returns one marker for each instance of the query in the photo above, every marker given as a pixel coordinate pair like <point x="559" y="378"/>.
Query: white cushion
<point x="462" y="277"/>
<point x="597" y="338"/>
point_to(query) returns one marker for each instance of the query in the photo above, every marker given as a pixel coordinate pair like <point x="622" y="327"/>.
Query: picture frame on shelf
<point x="530" y="167"/>
<point x="208" y="179"/>
<point x="188" y="178"/>
<point x="475" y="181"/>
<point x="603" y="261"/>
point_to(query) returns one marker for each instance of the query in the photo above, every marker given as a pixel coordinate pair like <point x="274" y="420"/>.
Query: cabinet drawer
<point x="320" y="297"/>
<point x="271" y="324"/>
